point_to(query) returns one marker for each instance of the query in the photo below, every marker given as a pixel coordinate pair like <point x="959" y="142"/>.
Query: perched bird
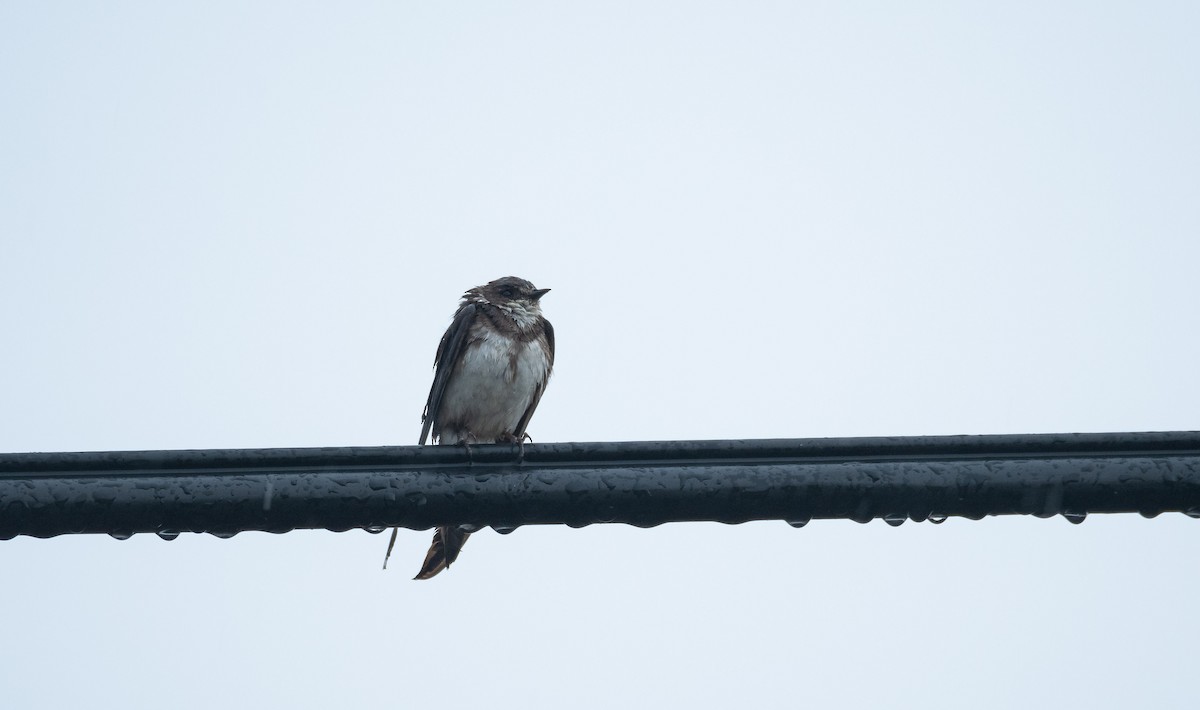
<point x="490" y="371"/>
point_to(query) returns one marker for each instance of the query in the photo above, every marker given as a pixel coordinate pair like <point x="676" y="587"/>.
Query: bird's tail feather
<point x="447" y="543"/>
<point x="391" y="544"/>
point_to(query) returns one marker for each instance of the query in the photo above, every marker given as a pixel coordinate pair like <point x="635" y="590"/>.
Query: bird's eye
<point x="507" y="292"/>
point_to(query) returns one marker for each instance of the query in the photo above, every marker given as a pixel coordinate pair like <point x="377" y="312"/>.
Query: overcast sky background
<point x="247" y="225"/>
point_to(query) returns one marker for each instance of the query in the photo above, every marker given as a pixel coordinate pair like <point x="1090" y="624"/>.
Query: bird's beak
<point x="538" y="293"/>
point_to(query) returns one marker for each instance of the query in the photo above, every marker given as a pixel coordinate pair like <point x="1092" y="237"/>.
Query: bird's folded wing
<point x="447" y="355"/>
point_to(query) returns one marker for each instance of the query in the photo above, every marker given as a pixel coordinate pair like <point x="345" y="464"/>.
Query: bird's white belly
<point x="491" y="388"/>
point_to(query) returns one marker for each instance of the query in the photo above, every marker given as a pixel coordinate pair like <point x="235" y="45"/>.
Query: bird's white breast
<point x="493" y="384"/>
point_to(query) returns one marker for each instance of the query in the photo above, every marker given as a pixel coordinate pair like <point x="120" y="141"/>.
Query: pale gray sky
<point x="246" y="225"/>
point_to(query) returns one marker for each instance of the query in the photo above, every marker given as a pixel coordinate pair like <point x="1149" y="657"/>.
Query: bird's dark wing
<point x="448" y="353"/>
<point x="537" y="396"/>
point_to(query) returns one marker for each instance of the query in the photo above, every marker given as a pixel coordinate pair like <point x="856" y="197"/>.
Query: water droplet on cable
<point x="862" y="513"/>
<point x="799" y="522"/>
<point x="937" y="518"/>
<point x="120" y="535"/>
<point x="1074" y="517"/>
<point x="168" y="535"/>
<point x="895" y="519"/>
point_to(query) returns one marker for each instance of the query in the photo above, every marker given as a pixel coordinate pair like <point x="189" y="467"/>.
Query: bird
<point x="490" y="371"/>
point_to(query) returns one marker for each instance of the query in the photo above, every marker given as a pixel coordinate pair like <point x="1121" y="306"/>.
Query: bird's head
<point x="516" y="297"/>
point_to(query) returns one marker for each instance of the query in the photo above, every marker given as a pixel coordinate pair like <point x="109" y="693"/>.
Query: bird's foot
<point x="511" y="438"/>
<point x="466" y="441"/>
